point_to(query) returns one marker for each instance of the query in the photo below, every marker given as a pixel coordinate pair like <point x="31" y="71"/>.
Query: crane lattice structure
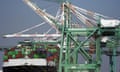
<point x="81" y="33"/>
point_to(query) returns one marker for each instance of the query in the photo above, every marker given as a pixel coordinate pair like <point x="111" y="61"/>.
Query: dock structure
<point x="92" y="36"/>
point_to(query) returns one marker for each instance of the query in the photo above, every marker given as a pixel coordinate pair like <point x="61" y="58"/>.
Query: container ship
<point x="30" y="56"/>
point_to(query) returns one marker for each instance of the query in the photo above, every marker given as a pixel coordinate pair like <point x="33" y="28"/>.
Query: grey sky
<point x="16" y="16"/>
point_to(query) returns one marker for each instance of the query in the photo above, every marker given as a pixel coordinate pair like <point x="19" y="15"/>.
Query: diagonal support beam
<point x="79" y="48"/>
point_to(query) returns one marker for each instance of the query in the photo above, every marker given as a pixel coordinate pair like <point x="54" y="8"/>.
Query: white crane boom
<point x="32" y="35"/>
<point x="81" y="14"/>
<point x="47" y="17"/>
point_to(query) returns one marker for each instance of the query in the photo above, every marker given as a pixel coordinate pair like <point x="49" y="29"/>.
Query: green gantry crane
<point x="81" y="33"/>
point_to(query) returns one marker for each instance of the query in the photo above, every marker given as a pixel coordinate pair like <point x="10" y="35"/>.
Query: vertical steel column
<point x="113" y="57"/>
<point x="111" y="63"/>
<point x="65" y="43"/>
<point x="112" y="60"/>
<point x="98" y="48"/>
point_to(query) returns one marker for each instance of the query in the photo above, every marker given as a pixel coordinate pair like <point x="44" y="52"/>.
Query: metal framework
<point x="96" y="32"/>
<point x="69" y="53"/>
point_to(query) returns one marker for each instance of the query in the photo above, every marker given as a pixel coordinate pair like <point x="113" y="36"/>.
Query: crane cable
<point x="89" y="13"/>
<point x="28" y="29"/>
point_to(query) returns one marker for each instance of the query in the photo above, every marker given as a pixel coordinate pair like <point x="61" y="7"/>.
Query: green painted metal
<point x="69" y="55"/>
<point x="72" y="45"/>
<point x="98" y="48"/>
<point x="68" y="61"/>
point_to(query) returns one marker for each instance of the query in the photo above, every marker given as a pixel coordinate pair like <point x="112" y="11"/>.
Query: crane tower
<point x="81" y="33"/>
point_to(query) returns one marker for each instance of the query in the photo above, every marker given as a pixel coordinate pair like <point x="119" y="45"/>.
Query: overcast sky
<point x="16" y="16"/>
